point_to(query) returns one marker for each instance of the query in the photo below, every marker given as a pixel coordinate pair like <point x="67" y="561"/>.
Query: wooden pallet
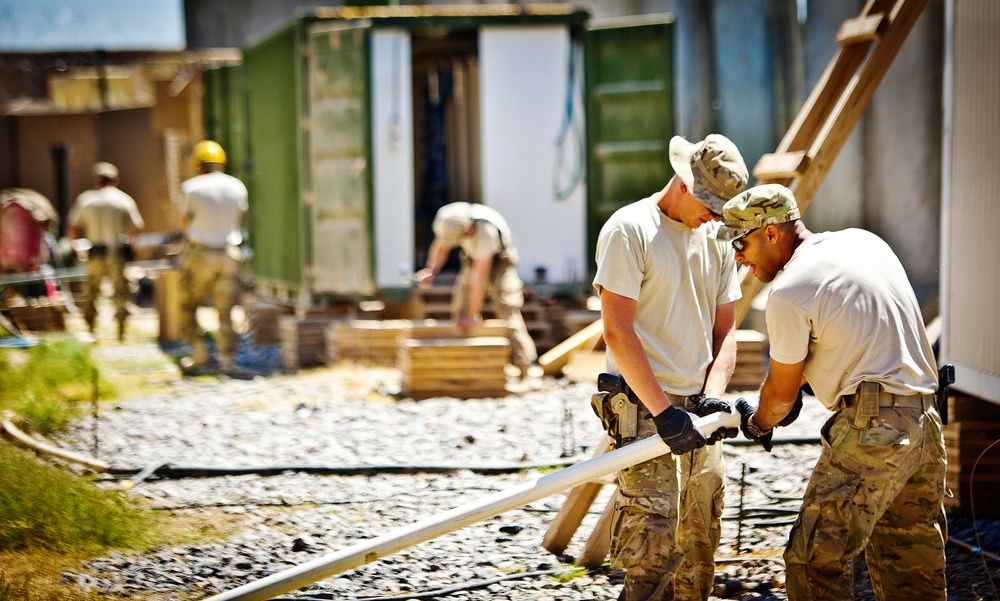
<point x="262" y="318"/>
<point x="37" y="315"/>
<point x="972" y="439"/>
<point x="435" y="303"/>
<point x="370" y="341"/>
<point x="303" y="339"/>
<point x="457" y="367"/>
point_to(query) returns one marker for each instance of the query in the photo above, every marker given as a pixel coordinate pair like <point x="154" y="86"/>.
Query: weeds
<point x="46" y="388"/>
<point x="46" y="507"/>
<point x="50" y="517"/>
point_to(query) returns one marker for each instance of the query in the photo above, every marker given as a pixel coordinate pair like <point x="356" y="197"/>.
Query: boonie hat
<point x="451" y="222"/>
<point x="105" y="170"/>
<point x="755" y="208"/>
<point x="712" y="169"/>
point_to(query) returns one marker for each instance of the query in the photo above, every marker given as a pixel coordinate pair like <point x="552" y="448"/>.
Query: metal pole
<point x="464" y="515"/>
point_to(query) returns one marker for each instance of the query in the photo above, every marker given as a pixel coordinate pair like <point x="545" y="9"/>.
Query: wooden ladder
<point x="868" y="44"/>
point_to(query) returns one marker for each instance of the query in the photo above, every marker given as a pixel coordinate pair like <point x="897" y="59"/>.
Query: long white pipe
<point x="464" y="515"/>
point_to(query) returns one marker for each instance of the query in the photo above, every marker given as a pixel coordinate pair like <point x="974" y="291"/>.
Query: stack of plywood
<point x="372" y="341"/>
<point x="437" y="360"/>
<point x="751" y="359"/>
<point x="973" y="457"/>
<point x="303" y="339"/>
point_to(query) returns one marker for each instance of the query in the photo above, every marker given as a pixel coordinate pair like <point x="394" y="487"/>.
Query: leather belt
<point x="888" y="399"/>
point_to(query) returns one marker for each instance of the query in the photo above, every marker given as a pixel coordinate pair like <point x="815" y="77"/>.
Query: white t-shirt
<point x="105" y="215"/>
<point x="215" y="203"/>
<point x="844" y="304"/>
<point x="678" y="276"/>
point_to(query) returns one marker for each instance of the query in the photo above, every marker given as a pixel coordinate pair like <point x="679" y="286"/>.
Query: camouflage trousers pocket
<point x="883" y="434"/>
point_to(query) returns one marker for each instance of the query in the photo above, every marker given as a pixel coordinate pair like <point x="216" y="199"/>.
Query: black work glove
<point x="677" y="430"/>
<point x="702" y="406"/>
<point x="794" y="413"/>
<point x="749" y="429"/>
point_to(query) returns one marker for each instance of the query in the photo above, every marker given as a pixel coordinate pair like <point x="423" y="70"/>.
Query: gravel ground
<point x="352" y="416"/>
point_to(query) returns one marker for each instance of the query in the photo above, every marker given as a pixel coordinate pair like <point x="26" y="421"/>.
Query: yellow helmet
<point x="207" y="151"/>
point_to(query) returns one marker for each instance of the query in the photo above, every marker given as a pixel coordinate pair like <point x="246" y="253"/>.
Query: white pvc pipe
<point x="464" y="515"/>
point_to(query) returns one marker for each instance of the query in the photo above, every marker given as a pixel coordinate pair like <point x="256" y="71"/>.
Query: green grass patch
<point x="45" y="384"/>
<point x="42" y="506"/>
<point x="570" y="574"/>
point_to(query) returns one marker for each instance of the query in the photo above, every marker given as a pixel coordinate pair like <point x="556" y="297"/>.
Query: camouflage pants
<point x="214" y="273"/>
<point x="109" y="265"/>
<point x="877" y="491"/>
<point x="506" y="291"/>
<point x="667" y="523"/>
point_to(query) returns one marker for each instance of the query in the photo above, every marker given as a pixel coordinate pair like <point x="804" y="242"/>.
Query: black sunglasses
<point x="738" y="244"/>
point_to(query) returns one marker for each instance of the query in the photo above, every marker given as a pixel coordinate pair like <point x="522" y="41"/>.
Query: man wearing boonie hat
<point x="842" y="315"/>
<point x="668" y="293"/>
<point x="109" y="219"/>
<point x="488" y="270"/>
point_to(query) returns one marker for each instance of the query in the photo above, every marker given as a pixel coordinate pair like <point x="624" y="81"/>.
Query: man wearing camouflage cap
<point x="842" y="316"/>
<point x="668" y="296"/>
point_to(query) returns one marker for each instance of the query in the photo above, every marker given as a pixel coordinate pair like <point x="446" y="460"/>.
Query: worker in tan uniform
<point x="108" y="219"/>
<point x="842" y="316"/>
<point x="488" y="271"/>
<point x="212" y="209"/>
<point x="668" y="294"/>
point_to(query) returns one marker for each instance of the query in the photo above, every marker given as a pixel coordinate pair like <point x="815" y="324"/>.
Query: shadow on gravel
<point x="256" y="360"/>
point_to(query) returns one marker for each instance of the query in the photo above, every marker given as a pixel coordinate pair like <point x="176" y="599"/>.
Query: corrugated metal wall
<point x="226" y="115"/>
<point x="972" y="209"/>
<point x="274" y="100"/>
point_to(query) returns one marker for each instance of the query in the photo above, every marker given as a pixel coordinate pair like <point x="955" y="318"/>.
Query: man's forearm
<point x="720" y="371"/>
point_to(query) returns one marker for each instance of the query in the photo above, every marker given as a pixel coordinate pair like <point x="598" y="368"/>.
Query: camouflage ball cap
<point x="712" y="169"/>
<point x="757" y="207"/>
<point x="451" y="223"/>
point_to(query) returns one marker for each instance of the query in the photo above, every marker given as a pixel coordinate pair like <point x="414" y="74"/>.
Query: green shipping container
<point x="319" y="201"/>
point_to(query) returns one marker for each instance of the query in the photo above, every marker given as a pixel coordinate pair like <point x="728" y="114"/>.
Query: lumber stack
<point x="751" y="359"/>
<point x="303" y="339"/>
<point x="437" y="360"/>
<point x="370" y="341"/>
<point x="973" y="475"/>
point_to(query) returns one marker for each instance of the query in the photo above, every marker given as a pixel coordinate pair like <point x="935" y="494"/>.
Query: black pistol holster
<point x="617" y="407"/>
<point x="946" y="377"/>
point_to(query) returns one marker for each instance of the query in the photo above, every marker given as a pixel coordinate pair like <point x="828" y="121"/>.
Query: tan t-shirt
<point x="490" y="236"/>
<point x="844" y="304"/>
<point x="678" y="276"/>
<point x="105" y="216"/>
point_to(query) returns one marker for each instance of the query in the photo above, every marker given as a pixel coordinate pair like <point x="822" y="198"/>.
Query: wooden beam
<point x="773" y="167"/>
<point x="862" y="29"/>
<point x="852" y="103"/>
<point x="571" y="514"/>
<point x="599" y="542"/>
<point x="555" y="359"/>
